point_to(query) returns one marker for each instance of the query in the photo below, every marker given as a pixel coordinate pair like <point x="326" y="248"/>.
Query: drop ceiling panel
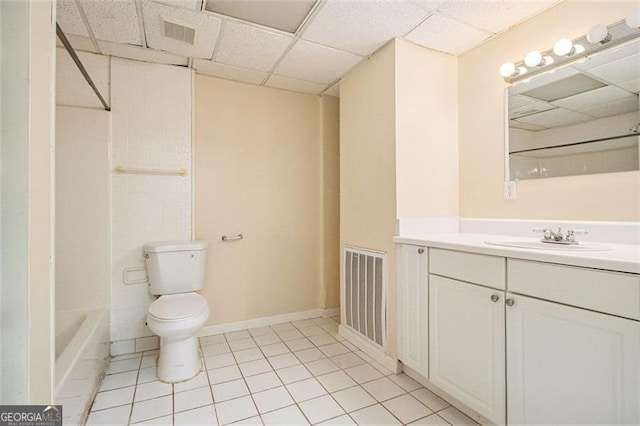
<point x="185" y="4"/>
<point x="334" y="90"/>
<point x="609" y="56"/>
<point x="619" y="107"/>
<point x="282" y="15"/>
<point x="525" y="126"/>
<point x="311" y="62"/>
<point x="206" y="26"/>
<point x="621" y="70"/>
<point x="283" y="82"/>
<point x="362" y="26"/>
<point x="141" y="54"/>
<point x="529" y="109"/>
<point x="631" y="85"/>
<point x="447" y="35"/>
<point x="83" y="44"/>
<point x="113" y="20"/>
<point x="69" y="18"/>
<point x="564" y="88"/>
<point x="555" y="118"/>
<point x="250" y="47"/>
<point x="494" y="16"/>
<point x="428" y="5"/>
<point x="593" y="98"/>
<point x="229" y="72"/>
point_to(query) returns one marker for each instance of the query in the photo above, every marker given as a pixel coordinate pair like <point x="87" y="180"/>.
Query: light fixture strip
<point x="590" y="49"/>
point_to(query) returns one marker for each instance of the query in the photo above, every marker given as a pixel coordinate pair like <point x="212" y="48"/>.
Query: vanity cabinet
<point x="412" y="307"/>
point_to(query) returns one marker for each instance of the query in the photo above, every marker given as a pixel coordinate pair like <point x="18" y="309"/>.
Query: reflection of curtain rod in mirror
<point x="564" y="51"/>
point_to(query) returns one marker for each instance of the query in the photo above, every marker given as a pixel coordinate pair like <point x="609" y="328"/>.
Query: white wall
<point x="151" y="128"/>
<point x="71" y="87"/>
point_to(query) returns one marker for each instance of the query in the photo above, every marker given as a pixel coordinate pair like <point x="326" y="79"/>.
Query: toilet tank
<point x="175" y="266"/>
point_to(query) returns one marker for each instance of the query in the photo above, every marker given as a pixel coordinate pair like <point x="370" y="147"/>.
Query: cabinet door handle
<point x="495" y="297"/>
<point x="509" y="302"/>
<point x="420" y="250"/>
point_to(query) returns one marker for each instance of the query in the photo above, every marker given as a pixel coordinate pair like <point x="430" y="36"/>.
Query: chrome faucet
<point x="557" y="237"/>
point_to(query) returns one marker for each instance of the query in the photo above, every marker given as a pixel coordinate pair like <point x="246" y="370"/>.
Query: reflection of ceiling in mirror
<point x="601" y="86"/>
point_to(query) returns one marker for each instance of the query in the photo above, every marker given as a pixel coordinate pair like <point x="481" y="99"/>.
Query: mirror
<point x="580" y="119"/>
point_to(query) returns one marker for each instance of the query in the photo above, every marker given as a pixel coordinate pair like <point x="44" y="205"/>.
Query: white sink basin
<point x="539" y="245"/>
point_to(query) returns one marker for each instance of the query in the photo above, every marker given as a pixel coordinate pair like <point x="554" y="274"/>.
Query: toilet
<point x="175" y="271"/>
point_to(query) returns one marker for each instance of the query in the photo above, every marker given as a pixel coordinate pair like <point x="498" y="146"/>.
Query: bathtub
<point x="82" y="353"/>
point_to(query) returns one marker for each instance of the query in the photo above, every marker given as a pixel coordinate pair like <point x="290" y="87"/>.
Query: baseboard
<point x="331" y="312"/>
<point x="370" y="349"/>
<point x="260" y="322"/>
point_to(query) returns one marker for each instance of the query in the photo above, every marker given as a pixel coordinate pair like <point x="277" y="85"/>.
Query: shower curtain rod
<point x="81" y="67"/>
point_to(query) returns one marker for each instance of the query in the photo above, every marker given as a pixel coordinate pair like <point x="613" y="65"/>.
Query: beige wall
<point x="330" y="140"/>
<point x="258" y="172"/>
<point x="607" y="197"/>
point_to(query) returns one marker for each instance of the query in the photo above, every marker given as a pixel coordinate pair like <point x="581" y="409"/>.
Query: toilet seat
<point x="177" y="307"/>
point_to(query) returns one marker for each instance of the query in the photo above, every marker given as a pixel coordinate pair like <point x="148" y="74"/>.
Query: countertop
<point x="620" y="257"/>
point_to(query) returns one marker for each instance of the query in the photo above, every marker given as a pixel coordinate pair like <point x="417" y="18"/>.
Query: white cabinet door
<point x="570" y="366"/>
<point x="412" y="308"/>
<point x="467" y="344"/>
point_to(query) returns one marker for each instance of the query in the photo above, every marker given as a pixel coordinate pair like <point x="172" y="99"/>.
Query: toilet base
<point x="179" y="360"/>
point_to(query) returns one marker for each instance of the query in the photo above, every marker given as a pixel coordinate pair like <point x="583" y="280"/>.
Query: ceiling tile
<point x="556" y="118"/>
<point x="229" y="72"/>
<point x="631" y="85"/>
<point x="78" y="43"/>
<point x="618" y="107"/>
<point x="250" y="47"/>
<point x="525" y="126"/>
<point x="618" y="71"/>
<point x="495" y="16"/>
<point x="608" y="56"/>
<point x="113" y="20"/>
<point x="185" y="4"/>
<point x="428" y="5"/>
<point x="311" y="62"/>
<point x="442" y="33"/>
<point x="206" y="28"/>
<point x="141" y="54"/>
<point x="334" y="90"/>
<point x="282" y="82"/>
<point x="362" y="26"/>
<point x="593" y="98"/>
<point x="69" y="18"/>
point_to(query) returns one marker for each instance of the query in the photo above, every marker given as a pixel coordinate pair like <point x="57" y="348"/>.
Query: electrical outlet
<point x="510" y="190"/>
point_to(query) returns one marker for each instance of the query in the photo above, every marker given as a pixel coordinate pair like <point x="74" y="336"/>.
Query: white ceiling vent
<point x="179" y="32"/>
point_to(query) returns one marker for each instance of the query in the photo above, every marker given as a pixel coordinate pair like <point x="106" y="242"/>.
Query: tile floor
<point x="293" y="373"/>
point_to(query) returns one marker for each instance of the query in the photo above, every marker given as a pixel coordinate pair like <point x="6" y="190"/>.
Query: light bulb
<point x="598" y="34"/>
<point x="507" y="69"/>
<point x="633" y="19"/>
<point x="577" y="48"/>
<point x="533" y="59"/>
<point x="563" y="47"/>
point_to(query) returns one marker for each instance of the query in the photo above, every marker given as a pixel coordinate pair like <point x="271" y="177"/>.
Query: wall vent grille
<point x="365" y="293"/>
<point x="179" y="32"/>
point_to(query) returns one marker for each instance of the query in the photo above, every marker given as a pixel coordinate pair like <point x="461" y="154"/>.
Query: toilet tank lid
<point x="165" y="246"/>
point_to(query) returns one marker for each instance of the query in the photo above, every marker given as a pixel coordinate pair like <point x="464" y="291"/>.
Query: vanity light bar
<point x="598" y="38"/>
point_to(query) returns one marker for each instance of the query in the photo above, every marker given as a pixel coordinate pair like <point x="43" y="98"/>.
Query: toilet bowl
<point x="176" y="318"/>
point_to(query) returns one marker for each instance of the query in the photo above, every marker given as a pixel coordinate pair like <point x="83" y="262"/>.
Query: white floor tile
<point x="126" y="356"/>
<point x="237" y="335"/>
<point x="285" y="416"/>
<point x="286" y="326"/>
<point x="275" y="349"/>
<point x="430" y="399"/>
<point x="342" y="420"/>
<point x="158" y="421"/>
<point x="148" y="374"/>
<point x="321" y="366"/>
<point x="229" y="390"/>
<point x="121" y="366"/>
<point x="306" y="389"/>
<point x="224" y="374"/>
<point x="336" y="336"/>
<point x="433" y="419"/>
<point x="254" y="421"/>
<point x="113" y="398"/>
<point x="330" y="328"/>
<point x="336" y="381"/>
<point x="152" y="408"/>
<point x="198" y="416"/>
<point x="272" y="399"/>
<point x="110" y="416"/>
<point x="263" y="381"/>
<point x="201" y="380"/>
<point x="152" y="390"/>
<point x="119" y="380"/>
<point x="215" y="338"/>
<point x="290" y="335"/>
<point x="192" y="399"/>
<point x="354" y="398"/>
<point x="149" y="361"/>
<point x="311" y="330"/>
<point x="406" y="408"/>
<point x="383" y="389"/>
<point x="299" y="344"/>
<point x="350" y="346"/>
<point x="455" y="417"/>
<point x="267" y="339"/>
<point x="374" y="415"/>
<point x="381" y="368"/>
<point x="319" y="409"/>
<point x="302" y="323"/>
<point x="246" y="355"/>
<point x="347" y="360"/>
<point x="293" y="374"/>
<point x="363" y="373"/>
<point x="282" y="361"/>
<point x="261" y="331"/>
<point x="405" y="382"/>
<point x="322" y="339"/>
<point x="235" y="409"/>
<point x="239" y="345"/>
<point x="221" y="360"/>
<point x="322" y="320"/>
<point x="308" y="355"/>
<point x="334" y="349"/>
<point x="252" y="368"/>
<point x="215" y="349"/>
